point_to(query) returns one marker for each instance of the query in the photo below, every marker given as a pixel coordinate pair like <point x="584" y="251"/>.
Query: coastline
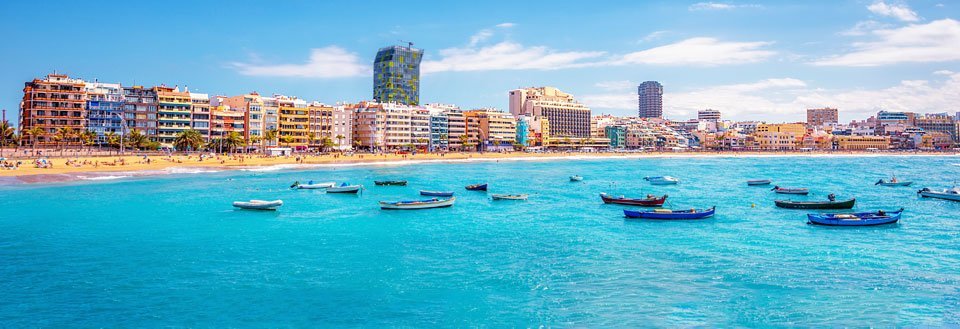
<point x="135" y="166"/>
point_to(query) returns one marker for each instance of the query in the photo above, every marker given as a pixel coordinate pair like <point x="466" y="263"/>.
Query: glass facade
<point x="396" y="75"/>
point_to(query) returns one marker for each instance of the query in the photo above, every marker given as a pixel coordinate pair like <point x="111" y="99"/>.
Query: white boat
<point x="661" y="180"/>
<point x="576" y="178"/>
<point x="417" y="204"/>
<point x="509" y="196"/>
<point x="344" y="188"/>
<point x="258" y="204"/>
<point x="946" y="194"/>
<point x="757" y="182"/>
<point x="312" y="186"/>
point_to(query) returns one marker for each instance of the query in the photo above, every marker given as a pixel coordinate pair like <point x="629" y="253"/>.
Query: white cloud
<point x="900" y="12"/>
<point x="718" y="6"/>
<point x="327" y="62"/>
<point x="616" y="85"/>
<point x="653" y="36"/>
<point x="937" y="41"/>
<point x="943" y="72"/>
<point x="864" y="28"/>
<point x="506" y="25"/>
<point x="507" y="55"/>
<point x="480" y="36"/>
<point x="700" y="51"/>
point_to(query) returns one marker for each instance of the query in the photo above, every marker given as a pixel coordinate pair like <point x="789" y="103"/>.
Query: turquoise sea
<point x="171" y="251"/>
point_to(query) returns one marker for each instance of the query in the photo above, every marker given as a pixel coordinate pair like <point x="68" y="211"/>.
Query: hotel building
<point x="823" y="116"/>
<point x="650" y="99"/>
<point x="568" y="118"/>
<point x="396" y="75"/>
<point x="860" y="143"/>
<point x="708" y="115"/>
<point x="54" y="102"/>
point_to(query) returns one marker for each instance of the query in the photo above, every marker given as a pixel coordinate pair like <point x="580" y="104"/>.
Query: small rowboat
<point x="344" y="188"/>
<point x="856" y="219"/>
<point x="846" y="204"/>
<point x="508" y="196"/>
<point x="670" y="214"/>
<point x="417" y="204"/>
<point x="759" y="182"/>
<point x="436" y="193"/>
<point x="650" y="201"/>
<point x="946" y="194"/>
<point x="258" y="204"/>
<point x="892" y="183"/>
<point x="477" y="187"/>
<point x="661" y="180"/>
<point x="390" y="182"/>
<point x="312" y="186"/>
<point x="787" y="190"/>
<point x="576" y="178"/>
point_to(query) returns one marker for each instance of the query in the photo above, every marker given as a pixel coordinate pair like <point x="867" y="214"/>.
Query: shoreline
<point x="134" y="166"/>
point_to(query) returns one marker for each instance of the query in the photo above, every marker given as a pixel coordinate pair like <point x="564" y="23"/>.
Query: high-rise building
<point x="54" y="102"/>
<point x="820" y="117"/>
<point x="396" y="75"/>
<point x="938" y="123"/>
<point x="200" y="114"/>
<point x="173" y="114"/>
<point x="568" y="118"/>
<point x="650" y="99"/>
<point x="708" y="114"/>
<point x="294" y="121"/>
<point x="104" y="110"/>
<point x="140" y="110"/>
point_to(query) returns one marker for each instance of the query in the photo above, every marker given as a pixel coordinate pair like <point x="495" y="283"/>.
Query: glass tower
<point x="396" y="75"/>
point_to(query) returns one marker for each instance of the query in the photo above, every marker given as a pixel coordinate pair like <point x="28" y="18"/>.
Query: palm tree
<point x="463" y="141"/>
<point x="422" y="141"/>
<point x="36" y="133"/>
<point x="188" y="140"/>
<point x="64" y="135"/>
<point x="357" y="143"/>
<point x="340" y="142"/>
<point x="88" y="138"/>
<point x="137" y="139"/>
<point x="6" y="134"/>
<point x="270" y="136"/>
<point x="234" y="140"/>
<point x="286" y="139"/>
<point x="326" y="143"/>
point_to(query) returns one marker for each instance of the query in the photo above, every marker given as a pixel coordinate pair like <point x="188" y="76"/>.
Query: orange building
<point x="54" y="102"/>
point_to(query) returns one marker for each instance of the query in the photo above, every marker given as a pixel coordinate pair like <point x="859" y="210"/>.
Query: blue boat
<point x="477" y="187"/>
<point x="855" y="219"/>
<point x="670" y="214"/>
<point x="436" y="193"/>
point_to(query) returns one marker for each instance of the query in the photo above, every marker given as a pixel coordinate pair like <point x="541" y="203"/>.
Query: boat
<point x="789" y="190"/>
<point x="670" y="213"/>
<point x="477" y="187"/>
<point x="576" y="178"/>
<point x="946" y="194"/>
<point x="829" y="204"/>
<point x="258" y="204"/>
<point x="390" y="182"/>
<point x="312" y="186"/>
<point x="436" y="193"/>
<point x="856" y="219"/>
<point x="509" y="196"/>
<point x="417" y="204"/>
<point x="759" y="182"/>
<point x="650" y="201"/>
<point x="344" y="188"/>
<point x="892" y="182"/>
<point x="661" y="180"/>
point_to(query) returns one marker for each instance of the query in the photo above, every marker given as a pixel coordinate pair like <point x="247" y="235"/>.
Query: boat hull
<point x="390" y="183"/>
<point x="316" y="186"/>
<point x="509" y="197"/>
<point x="477" y="187"/>
<point x="847" y="204"/>
<point x="417" y="205"/>
<point x="940" y="195"/>
<point x="655" y="202"/>
<point x="345" y="189"/>
<point x="662" y="180"/>
<point x="258" y="204"/>
<point x="857" y="219"/>
<point x="882" y="183"/>
<point x="759" y="182"/>
<point x="675" y="215"/>
<point x="792" y="191"/>
<point x="436" y="193"/>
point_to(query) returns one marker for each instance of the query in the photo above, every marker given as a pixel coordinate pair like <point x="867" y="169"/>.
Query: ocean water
<point x="171" y="251"/>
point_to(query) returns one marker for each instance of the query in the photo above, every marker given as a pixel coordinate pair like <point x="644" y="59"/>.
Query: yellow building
<point x="293" y="122"/>
<point x="781" y="136"/>
<point x="863" y="142"/>
<point x="495" y="127"/>
<point x="173" y="114"/>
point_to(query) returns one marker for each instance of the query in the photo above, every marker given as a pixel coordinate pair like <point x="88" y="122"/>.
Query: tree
<point x="234" y="140"/>
<point x="326" y="143"/>
<point x="269" y="137"/>
<point x="64" y="135"/>
<point x="188" y="140"/>
<point x="112" y="139"/>
<point x="357" y="143"/>
<point x="340" y="141"/>
<point x="286" y="139"/>
<point x="463" y="141"/>
<point x="137" y="139"/>
<point x="88" y="138"/>
<point x="422" y="141"/>
<point x="6" y="135"/>
<point x="36" y="133"/>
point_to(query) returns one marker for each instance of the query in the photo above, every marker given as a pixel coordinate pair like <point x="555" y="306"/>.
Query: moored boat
<point x="417" y="204"/>
<point x="670" y="213"/>
<point x="789" y="190"/>
<point x="576" y="178"/>
<point x="946" y="194"/>
<point x="390" y="182"/>
<point x="436" y="193"/>
<point x="829" y="204"/>
<point x="344" y="188"/>
<point x="893" y="182"/>
<point x="662" y="180"/>
<point x="759" y="182"/>
<point x="856" y="219"/>
<point x="258" y="204"/>
<point x="509" y="196"/>
<point x="650" y="201"/>
<point x="477" y="187"/>
<point x="312" y="186"/>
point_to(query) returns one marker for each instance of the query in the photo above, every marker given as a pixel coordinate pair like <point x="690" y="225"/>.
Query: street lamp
<point x="123" y="124"/>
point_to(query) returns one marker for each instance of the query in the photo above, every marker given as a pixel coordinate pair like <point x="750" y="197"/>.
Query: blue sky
<point x="752" y="60"/>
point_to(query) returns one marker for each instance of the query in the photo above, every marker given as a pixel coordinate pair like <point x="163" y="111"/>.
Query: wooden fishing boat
<point x="759" y="182"/>
<point x="856" y="219"/>
<point x="650" y="201"/>
<point x="436" y="193"/>
<point x="508" y="196"/>
<point x="668" y="214"/>
<point x="662" y="180"/>
<point x="946" y="194"/>
<point x="344" y="188"/>
<point x="831" y="204"/>
<point x="258" y="204"/>
<point x="788" y="190"/>
<point x="477" y="187"/>
<point x="576" y="178"/>
<point x="893" y="183"/>
<point x="390" y="182"/>
<point x="417" y="204"/>
<point x="312" y="186"/>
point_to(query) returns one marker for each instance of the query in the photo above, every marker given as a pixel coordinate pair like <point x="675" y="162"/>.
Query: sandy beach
<point x="107" y="167"/>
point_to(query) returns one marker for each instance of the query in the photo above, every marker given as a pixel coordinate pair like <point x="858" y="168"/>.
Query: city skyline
<point x="860" y="57"/>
